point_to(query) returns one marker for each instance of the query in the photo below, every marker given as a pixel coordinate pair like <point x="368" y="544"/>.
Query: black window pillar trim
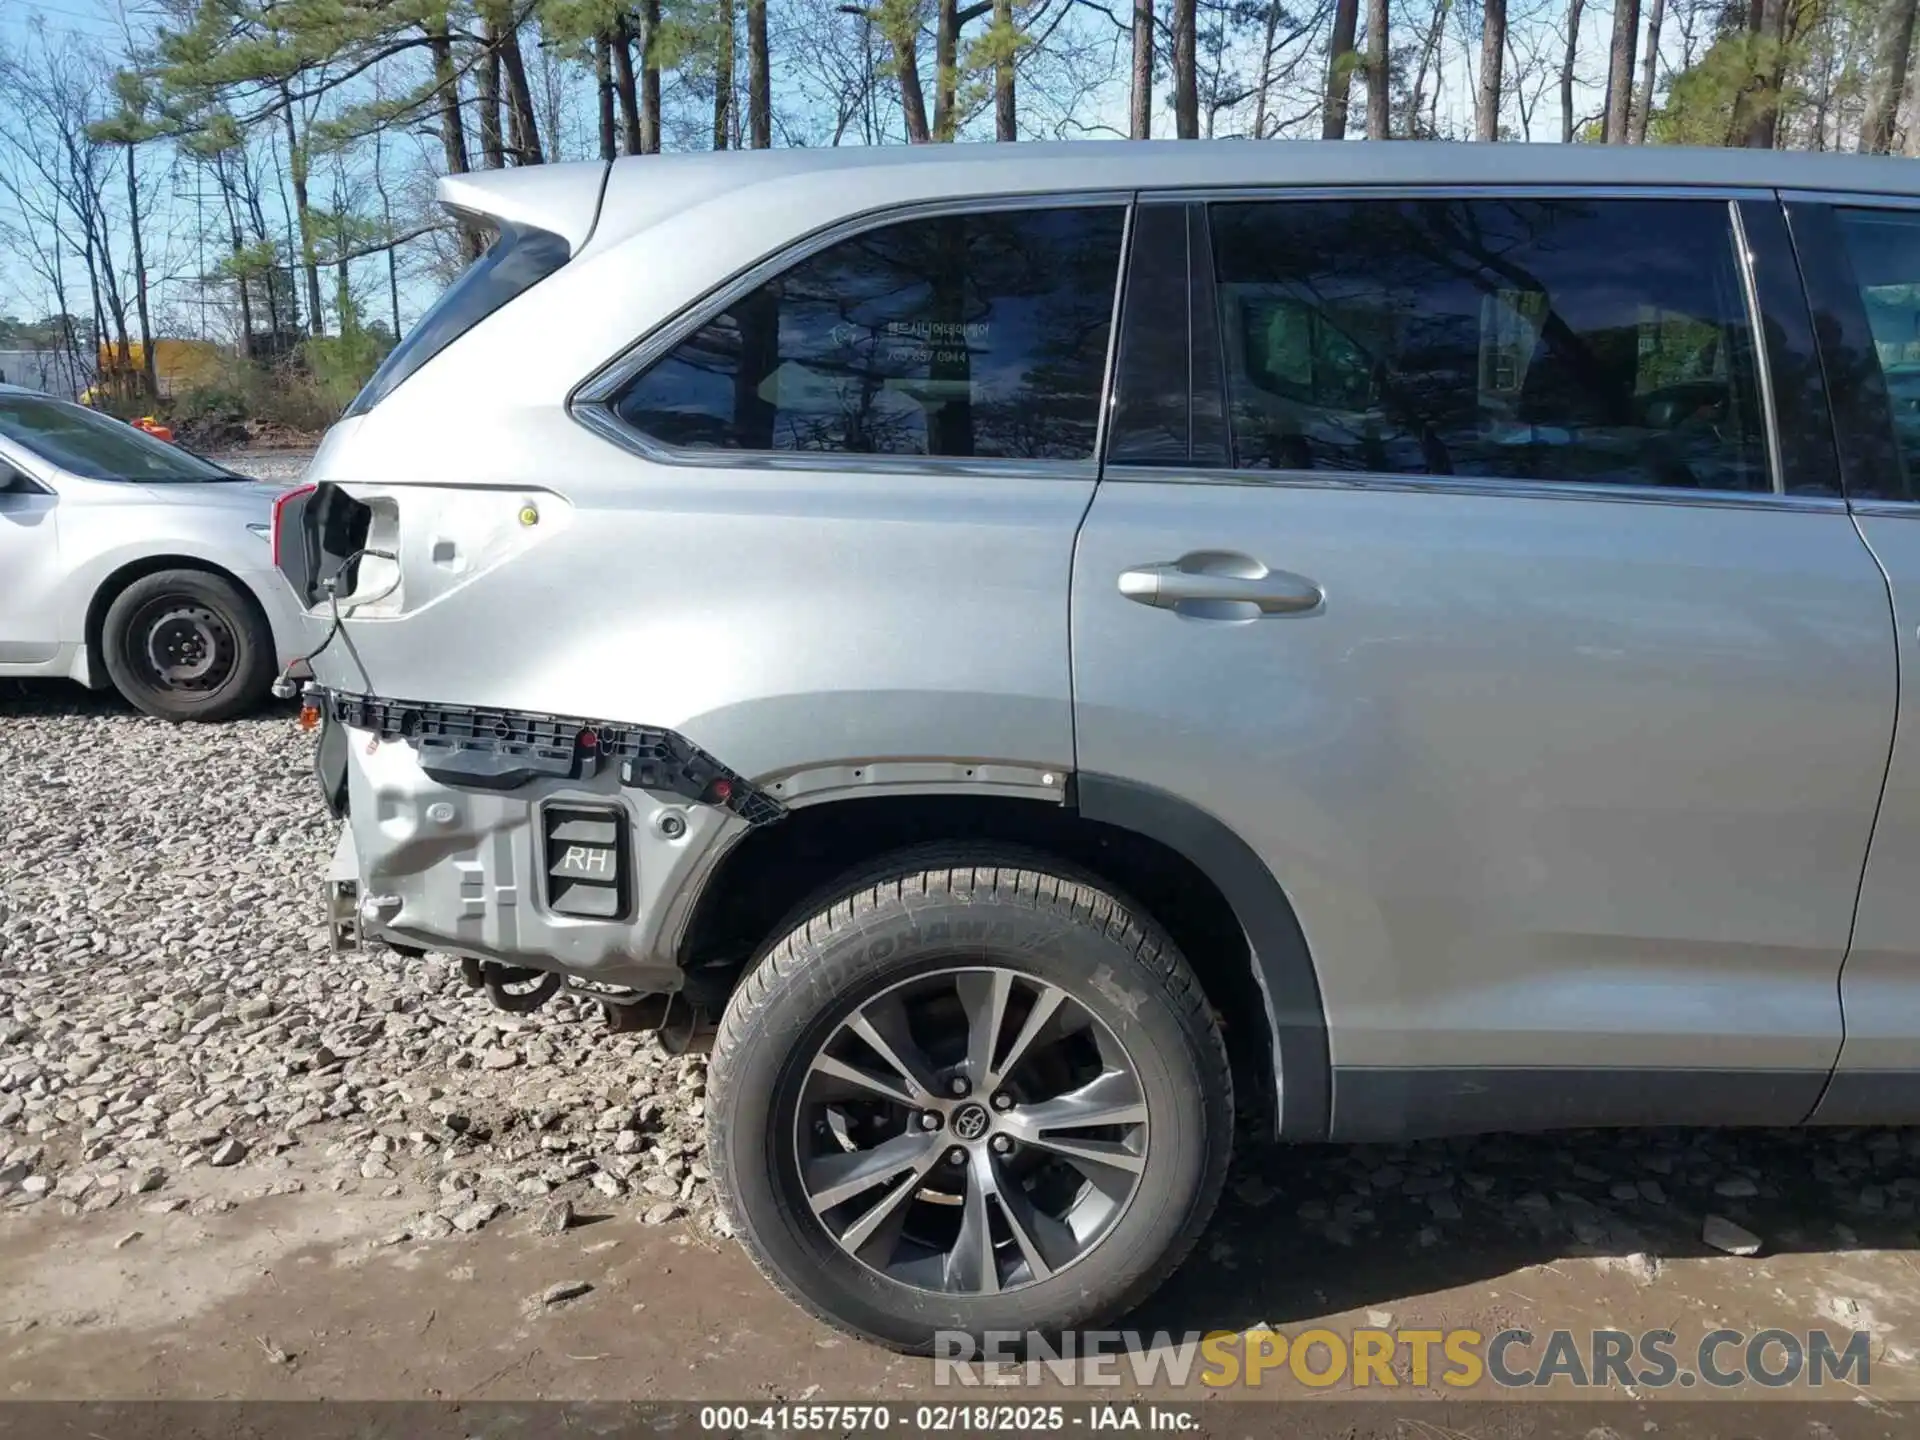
<point x="1283" y="968"/>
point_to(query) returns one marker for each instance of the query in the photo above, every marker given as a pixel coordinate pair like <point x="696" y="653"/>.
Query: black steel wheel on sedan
<point x="188" y="645"/>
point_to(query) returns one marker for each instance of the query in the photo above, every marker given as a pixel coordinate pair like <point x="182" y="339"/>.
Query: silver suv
<point x="1018" y="636"/>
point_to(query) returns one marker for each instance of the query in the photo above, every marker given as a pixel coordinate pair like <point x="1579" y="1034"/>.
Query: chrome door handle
<point x="1221" y="576"/>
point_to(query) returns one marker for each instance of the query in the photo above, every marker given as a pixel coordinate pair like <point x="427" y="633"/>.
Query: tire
<point x="893" y="942"/>
<point x="188" y="645"/>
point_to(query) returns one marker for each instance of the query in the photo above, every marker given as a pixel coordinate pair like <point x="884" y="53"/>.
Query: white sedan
<point x="127" y="561"/>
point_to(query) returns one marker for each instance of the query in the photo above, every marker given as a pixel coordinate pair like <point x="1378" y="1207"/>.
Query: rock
<point x="1722" y="1234"/>
<point x="1254" y="1191"/>
<point x="1642" y="1267"/>
<point x="229" y="1152"/>
<point x="607" y="1185"/>
<point x="431" y="1227"/>
<point x="1738" y="1187"/>
<point x="660" y="1214"/>
<point x="1444" y="1207"/>
<point x="475" y="1215"/>
<point x="564" y="1291"/>
<point x="553" y="1218"/>
<point x="35" y="1185"/>
<point x="498" y="1058"/>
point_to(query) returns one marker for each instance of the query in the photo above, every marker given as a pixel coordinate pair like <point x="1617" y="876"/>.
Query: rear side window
<point x="1883" y="248"/>
<point x="519" y="258"/>
<point x="1569" y="340"/>
<point x="967" y="336"/>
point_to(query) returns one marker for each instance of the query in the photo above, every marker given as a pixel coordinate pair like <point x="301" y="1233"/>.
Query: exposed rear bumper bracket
<point x="480" y="749"/>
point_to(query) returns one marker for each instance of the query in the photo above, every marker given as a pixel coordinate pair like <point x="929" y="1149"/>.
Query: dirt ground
<point x="295" y="1296"/>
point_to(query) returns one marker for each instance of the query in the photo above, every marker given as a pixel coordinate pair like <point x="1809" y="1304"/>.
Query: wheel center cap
<point x="971" y="1121"/>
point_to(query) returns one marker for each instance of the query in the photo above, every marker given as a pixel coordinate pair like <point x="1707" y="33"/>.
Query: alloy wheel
<point x="970" y="1131"/>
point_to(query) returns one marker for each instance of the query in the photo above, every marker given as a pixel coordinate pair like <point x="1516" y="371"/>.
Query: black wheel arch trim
<point x="1283" y="967"/>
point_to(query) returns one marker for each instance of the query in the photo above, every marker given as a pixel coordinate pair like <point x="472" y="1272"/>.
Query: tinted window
<point x="519" y="258"/>
<point x="84" y="442"/>
<point x="978" y="335"/>
<point x="1883" y="247"/>
<point x="1562" y="340"/>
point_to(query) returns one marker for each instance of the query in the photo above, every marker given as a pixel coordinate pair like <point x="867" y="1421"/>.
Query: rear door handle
<point x="1221" y="575"/>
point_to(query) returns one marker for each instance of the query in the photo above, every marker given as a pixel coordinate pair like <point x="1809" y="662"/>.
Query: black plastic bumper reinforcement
<point x="477" y="749"/>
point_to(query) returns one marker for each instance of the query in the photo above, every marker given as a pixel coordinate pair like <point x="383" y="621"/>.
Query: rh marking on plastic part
<point x="579" y="858"/>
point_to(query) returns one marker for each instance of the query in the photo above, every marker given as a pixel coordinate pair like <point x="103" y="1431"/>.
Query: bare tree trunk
<point x="1626" y="33"/>
<point x="1574" y="7"/>
<point x="1005" y="111"/>
<point x="1906" y="125"/>
<point x="1889" y="77"/>
<point x="901" y="27"/>
<point x="1186" y="81"/>
<point x="386" y="223"/>
<point x="946" y="67"/>
<point x="1265" y="83"/>
<point x="1140" y="116"/>
<point x="140" y="280"/>
<point x="1493" y="50"/>
<point x="453" y="136"/>
<point x="297" y="173"/>
<point x="1346" y="22"/>
<point x="525" y="121"/>
<point x="624" y="87"/>
<point x="1377" y="69"/>
<point x="1414" y="121"/>
<point x="1770" y="24"/>
<point x="603" y="91"/>
<point x="759" y="78"/>
<point x="486" y="82"/>
<point x="723" y="76"/>
<point x="1643" y="107"/>
<point x="650" y="79"/>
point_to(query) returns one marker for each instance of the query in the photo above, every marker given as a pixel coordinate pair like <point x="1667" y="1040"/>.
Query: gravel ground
<point x="265" y="464"/>
<point x="169" y="1003"/>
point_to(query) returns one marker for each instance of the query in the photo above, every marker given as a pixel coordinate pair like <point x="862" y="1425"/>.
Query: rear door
<point x="1862" y="264"/>
<point x="1464" y="581"/>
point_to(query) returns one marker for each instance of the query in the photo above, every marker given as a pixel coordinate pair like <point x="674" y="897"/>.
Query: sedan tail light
<point x="283" y="544"/>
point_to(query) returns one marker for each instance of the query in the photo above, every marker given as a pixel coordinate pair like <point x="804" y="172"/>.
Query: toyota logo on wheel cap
<point x="970" y="1122"/>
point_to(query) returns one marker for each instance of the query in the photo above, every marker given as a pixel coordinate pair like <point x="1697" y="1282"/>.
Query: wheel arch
<point x="1188" y="870"/>
<point x="1280" y="961"/>
<point x="117" y="580"/>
